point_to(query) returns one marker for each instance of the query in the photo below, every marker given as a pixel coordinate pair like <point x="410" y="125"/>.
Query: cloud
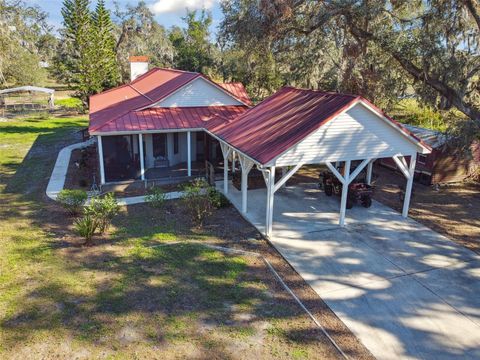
<point x="179" y="6"/>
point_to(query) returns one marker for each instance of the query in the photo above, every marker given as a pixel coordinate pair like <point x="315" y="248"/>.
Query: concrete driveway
<point x="404" y="290"/>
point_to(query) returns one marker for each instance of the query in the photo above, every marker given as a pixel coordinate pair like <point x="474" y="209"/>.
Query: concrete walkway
<point x="59" y="173"/>
<point x="404" y="290"/>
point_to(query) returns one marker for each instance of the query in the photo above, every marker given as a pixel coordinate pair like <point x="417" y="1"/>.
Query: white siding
<point x="198" y="93"/>
<point x="354" y="135"/>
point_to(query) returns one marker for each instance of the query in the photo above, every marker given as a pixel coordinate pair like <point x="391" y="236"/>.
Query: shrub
<point x="217" y="199"/>
<point x="156" y="197"/>
<point x="72" y="200"/>
<point x="86" y="227"/>
<point x="69" y="103"/>
<point x="103" y="210"/>
<point x="197" y="201"/>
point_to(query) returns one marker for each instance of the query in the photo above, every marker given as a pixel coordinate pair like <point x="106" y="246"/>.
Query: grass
<point x="69" y="103"/>
<point x="126" y="297"/>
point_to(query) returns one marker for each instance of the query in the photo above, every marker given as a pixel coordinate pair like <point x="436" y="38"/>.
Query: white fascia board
<point x="111" y="133"/>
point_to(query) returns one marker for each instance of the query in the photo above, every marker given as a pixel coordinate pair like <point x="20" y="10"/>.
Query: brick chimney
<point x="138" y="66"/>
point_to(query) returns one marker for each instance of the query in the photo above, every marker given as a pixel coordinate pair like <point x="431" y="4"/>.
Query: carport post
<point x="343" y="201"/>
<point x="270" y="194"/>
<point x="369" y="172"/>
<point x="226" y="152"/>
<point x="408" y="189"/>
<point x="100" y="159"/>
<point x="246" y="166"/>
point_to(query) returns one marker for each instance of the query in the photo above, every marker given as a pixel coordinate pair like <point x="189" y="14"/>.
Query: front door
<point x="160" y="146"/>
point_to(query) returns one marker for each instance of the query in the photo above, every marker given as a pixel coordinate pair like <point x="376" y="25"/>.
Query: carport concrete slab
<point x="404" y="290"/>
<point x="464" y="295"/>
<point x="400" y="318"/>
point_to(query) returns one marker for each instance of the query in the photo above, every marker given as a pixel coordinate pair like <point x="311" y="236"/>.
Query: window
<point x="159" y="146"/>
<point x="175" y="143"/>
<point x="422" y="159"/>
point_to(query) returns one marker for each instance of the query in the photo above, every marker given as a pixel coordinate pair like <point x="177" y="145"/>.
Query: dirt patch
<point x="452" y="210"/>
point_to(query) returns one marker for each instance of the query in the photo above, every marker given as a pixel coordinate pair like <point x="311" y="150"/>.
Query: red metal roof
<point x="284" y="119"/>
<point x="281" y="121"/>
<point x="238" y="90"/>
<point x="145" y="90"/>
<point x="157" y="118"/>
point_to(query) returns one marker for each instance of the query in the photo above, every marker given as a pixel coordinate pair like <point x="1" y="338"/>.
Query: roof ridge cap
<point x="176" y="70"/>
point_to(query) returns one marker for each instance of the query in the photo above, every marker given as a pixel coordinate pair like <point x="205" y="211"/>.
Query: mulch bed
<point x="82" y="169"/>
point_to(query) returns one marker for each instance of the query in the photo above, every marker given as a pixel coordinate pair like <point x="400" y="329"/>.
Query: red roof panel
<point x="172" y="118"/>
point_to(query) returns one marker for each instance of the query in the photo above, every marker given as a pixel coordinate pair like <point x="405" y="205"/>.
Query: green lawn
<point x="69" y="103"/>
<point x="123" y="298"/>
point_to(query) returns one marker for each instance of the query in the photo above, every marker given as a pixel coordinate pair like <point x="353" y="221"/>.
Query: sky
<point x="167" y="12"/>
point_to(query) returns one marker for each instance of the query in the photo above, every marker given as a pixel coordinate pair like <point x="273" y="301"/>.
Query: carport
<point x="296" y="127"/>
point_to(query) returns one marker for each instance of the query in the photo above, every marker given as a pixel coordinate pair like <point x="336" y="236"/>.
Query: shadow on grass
<point x="162" y="295"/>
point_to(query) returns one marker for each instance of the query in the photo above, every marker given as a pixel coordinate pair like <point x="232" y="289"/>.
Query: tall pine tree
<point x="75" y="56"/>
<point x="107" y="70"/>
<point x="87" y="59"/>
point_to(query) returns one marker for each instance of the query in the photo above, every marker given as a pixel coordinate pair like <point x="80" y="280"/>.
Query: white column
<point x="246" y="165"/>
<point x="100" y="159"/>
<point x="408" y="189"/>
<point x="142" y="160"/>
<point x="369" y="172"/>
<point x="343" y="201"/>
<point x="270" y="195"/>
<point x="244" y="190"/>
<point x="189" y="153"/>
<point x="233" y="161"/>
<point x="226" y="152"/>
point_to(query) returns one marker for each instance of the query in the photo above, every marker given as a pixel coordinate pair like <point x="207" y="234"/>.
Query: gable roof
<point x="238" y="90"/>
<point x="146" y="90"/>
<point x="287" y="117"/>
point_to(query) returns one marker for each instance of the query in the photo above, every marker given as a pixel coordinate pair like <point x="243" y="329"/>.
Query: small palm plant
<point x="86" y="227"/>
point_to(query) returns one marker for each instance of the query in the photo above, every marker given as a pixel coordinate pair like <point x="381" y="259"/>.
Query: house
<point x="182" y="117"/>
<point x="166" y="111"/>
<point x="444" y="164"/>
